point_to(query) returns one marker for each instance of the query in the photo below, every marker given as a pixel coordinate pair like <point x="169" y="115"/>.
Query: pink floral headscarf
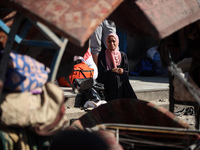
<point x="113" y="57"/>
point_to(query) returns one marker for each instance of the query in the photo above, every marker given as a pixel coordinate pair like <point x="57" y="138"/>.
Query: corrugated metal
<point x="126" y="112"/>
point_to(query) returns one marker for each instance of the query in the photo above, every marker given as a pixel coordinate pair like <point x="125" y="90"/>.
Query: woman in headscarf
<point x="113" y="71"/>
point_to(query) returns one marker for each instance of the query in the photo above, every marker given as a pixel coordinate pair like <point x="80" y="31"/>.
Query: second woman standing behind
<point x="113" y="71"/>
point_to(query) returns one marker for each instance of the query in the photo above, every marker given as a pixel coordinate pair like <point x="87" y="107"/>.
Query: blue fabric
<point x="25" y="73"/>
<point x="145" y="67"/>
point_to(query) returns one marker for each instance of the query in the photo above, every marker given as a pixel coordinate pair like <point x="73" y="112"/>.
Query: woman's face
<point x="112" y="44"/>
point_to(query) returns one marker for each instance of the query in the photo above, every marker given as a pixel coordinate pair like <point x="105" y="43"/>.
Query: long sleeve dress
<point x="116" y="85"/>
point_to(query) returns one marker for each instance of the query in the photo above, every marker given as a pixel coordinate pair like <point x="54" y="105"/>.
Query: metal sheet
<point x="78" y="19"/>
<point x="74" y="19"/>
<point x="158" y="18"/>
<point x="130" y="111"/>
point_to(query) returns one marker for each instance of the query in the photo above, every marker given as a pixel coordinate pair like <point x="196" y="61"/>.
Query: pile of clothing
<point x="31" y="107"/>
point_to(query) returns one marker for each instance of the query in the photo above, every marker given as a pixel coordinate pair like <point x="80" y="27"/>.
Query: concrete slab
<point x="150" y="88"/>
<point x="146" y="88"/>
<point x="153" y="83"/>
<point x="154" y="89"/>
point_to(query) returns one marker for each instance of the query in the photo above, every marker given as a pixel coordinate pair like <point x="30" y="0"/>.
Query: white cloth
<point x="94" y="103"/>
<point x="91" y="64"/>
<point x="151" y="52"/>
